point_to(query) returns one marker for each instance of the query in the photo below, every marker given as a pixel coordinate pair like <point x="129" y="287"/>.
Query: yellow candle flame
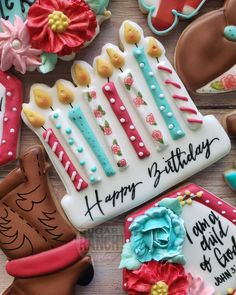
<point x="65" y="95"/>
<point x="104" y="68"/>
<point x="117" y="60"/>
<point x="81" y="75"/>
<point x="131" y="34"/>
<point x="154" y="50"/>
<point x="35" y="119"/>
<point x="42" y="98"/>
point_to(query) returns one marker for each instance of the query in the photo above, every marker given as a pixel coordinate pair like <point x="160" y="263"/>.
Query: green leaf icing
<point x="128" y="258"/>
<point x="172" y="204"/>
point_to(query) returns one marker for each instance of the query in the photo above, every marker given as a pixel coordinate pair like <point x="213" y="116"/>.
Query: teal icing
<point x="230" y="33"/>
<point x="98" y="6"/>
<point x="178" y="260"/>
<point x="128" y="258"/>
<point x="158" y="95"/>
<point x="8" y="9"/>
<point x="25" y="5"/>
<point x="172" y="204"/>
<point x="230" y="177"/>
<point x="77" y="117"/>
<point x="158" y="235"/>
<point x="49" y="61"/>
<point x="151" y="10"/>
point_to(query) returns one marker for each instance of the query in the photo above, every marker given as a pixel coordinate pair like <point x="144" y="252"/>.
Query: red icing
<point x="142" y="280"/>
<point x="164" y="17"/>
<point x="179" y="97"/>
<point x="78" y="181"/>
<point x="82" y="26"/>
<point x="160" y="67"/>
<point x="111" y="93"/>
<point x="49" y="261"/>
<point x="170" y="82"/>
<point x="188" y="110"/>
<point x="12" y="118"/>
<point x="209" y="200"/>
<point x="197" y="121"/>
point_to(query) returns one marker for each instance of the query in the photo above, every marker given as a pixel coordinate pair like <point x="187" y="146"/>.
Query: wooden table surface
<point x="107" y="240"/>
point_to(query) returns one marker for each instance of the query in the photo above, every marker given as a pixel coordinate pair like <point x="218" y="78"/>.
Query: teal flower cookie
<point x="158" y="235"/>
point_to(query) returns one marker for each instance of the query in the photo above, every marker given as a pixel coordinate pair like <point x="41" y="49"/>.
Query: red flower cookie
<point x="61" y="27"/>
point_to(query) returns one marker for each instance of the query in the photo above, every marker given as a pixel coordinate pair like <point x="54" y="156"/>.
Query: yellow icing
<point x="35" y="119"/>
<point x="58" y="22"/>
<point x="81" y="75"/>
<point x="116" y="58"/>
<point x="104" y="68"/>
<point x="131" y="34"/>
<point x="160" y="288"/>
<point x="42" y="98"/>
<point x="65" y="95"/>
<point x="154" y="50"/>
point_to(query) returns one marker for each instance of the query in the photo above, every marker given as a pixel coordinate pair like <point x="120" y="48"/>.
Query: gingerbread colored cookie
<point x="42" y="250"/>
<point x="164" y="15"/>
<point x="11" y="96"/>
<point x="229" y="123"/>
<point x="128" y="131"/>
<point x="182" y="243"/>
<point x="230" y="177"/>
<point x="206" y="52"/>
<point x="36" y="33"/>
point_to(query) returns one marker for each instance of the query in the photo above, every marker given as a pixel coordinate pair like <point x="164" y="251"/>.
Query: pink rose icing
<point x="15" y="48"/>
<point x="197" y="287"/>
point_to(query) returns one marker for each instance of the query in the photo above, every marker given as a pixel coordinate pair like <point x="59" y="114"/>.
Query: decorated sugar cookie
<point x="230" y="177"/>
<point x="126" y="132"/>
<point x="10" y="117"/>
<point x="229" y="123"/>
<point x="182" y="243"/>
<point x="36" y="33"/>
<point x="206" y="52"/>
<point x="164" y="15"/>
<point x="44" y="255"/>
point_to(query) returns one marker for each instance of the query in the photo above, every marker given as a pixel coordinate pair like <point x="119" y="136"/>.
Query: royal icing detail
<point x="158" y="94"/>
<point x="51" y="139"/>
<point x="10" y="109"/>
<point x="24" y="37"/>
<point x="190" y="113"/>
<point x="112" y="139"/>
<point x="9" y="10"/>
<point x="144" y="110"/>
<point x="164" y="16"/>
<point x="208" y="232"/>
<point x="77" y="117"/>
<point x="125" y="120"/>
<point x="202" y="39"/>
<point x="83" y="157"/>
<point x="144" y="178"/>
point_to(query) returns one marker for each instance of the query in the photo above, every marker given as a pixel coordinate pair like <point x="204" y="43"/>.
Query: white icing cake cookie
<point x="126" y="133"/>
<point x="183" y="243"/>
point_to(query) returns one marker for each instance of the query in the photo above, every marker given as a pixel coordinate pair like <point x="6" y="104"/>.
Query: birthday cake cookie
<point x="44" y="255"/>
<point x="36" y="33"/>
<point x="127" y="132"/>
<point x="163" y="15"/>
<point x="181" y="244"/>
<point x="11" y="98"/>
<point x="206" y="52"/>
